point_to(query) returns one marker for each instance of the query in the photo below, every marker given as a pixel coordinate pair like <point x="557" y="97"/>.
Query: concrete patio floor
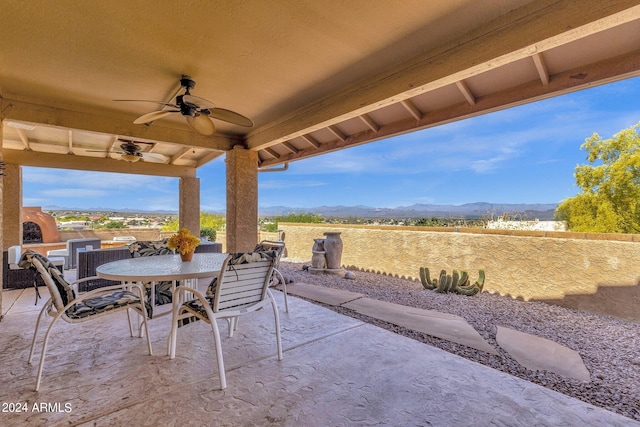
<point x="336" y="371"/>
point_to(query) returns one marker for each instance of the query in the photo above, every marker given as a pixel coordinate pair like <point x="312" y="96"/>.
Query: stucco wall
<point x="522" y="265"/>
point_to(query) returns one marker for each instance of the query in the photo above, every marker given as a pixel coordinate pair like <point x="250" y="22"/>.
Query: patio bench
<point x="70" y="253"/>
<point x="88" y="261"/>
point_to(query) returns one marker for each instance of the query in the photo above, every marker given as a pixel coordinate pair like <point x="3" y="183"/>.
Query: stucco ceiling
<point x="314" y="76"/>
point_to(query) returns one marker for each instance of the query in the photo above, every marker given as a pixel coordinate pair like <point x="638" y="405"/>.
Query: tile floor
<point x="336" y="371"/>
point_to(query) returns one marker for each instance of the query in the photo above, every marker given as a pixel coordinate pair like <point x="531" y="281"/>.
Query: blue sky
<point x="526" y="154"/>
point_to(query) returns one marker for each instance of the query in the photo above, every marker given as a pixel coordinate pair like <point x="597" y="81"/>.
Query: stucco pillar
<point x="12" y="206"/>
<point x="189" y="215"/>
<point x="1" y="216"/>
<point x="242" y="199"/>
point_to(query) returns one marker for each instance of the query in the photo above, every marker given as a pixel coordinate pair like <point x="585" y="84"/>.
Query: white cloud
<point x="288" y="184"/>
<point x="76" y="193"/>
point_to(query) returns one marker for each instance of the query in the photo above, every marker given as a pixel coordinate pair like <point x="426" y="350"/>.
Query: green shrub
<point x="208" y="232"/>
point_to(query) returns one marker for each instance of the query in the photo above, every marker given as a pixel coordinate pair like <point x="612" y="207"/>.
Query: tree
<point x="207" y="221"/>
<point x="304" y="218"/>
<point x="610" y="184"/>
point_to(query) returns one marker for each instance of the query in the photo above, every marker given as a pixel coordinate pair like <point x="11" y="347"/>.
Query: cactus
<point x="464" y="278"/>
<point x="444" y="281"/>
<point x="458" y="282"/>
<point x="454" y="281"/>
<point x="480" y="282"/>
<point x="426" y="280"/>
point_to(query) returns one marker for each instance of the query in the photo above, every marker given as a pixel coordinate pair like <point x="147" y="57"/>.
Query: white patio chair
<point x="279" y="247"/>
<point x="64" y="303"/>
<point x="242" y="287"/>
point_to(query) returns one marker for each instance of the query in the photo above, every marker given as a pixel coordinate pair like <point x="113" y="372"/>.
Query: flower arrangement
<point x="183" y="241"/>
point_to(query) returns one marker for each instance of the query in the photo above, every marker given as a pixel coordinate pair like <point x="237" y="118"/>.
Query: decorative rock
<point x="349" y="275"/>
<point x="288" y="278"/>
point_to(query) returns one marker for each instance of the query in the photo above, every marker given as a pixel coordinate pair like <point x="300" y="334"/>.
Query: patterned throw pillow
<point x="149" y="248"/>
<point x="164" y="289"/>
<point x="32" y="260"/>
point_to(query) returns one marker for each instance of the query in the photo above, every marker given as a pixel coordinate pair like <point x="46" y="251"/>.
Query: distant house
<point x="75" y="225"/>
<point x="536" y="225"/>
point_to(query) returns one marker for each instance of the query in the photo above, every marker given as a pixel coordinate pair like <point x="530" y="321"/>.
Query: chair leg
<point x="143" y="314"/>
<point x="44" y="351"/>
<point x="284" y="289"/>
<point x="173" y="335"/>
<point x="219" y="359"/>
<point x="277" y="322"/>
<point x="129" y="321"/>
<point x="230" y="325"/>
<point x="35" y="333"/>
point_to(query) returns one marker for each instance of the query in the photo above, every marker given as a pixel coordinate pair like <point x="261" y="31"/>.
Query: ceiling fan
<point x="132" y="152"/>
<point x="197" y="111"/>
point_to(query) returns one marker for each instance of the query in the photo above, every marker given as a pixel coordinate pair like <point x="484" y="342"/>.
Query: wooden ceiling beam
<point x="272" y="153"/>
<point x="411" y="108"/>
<point x="371" y="124"/>
<point x="337" y="133"/>
<point x="97" y="164"/>
<point x="70" y="142"/>
<point x="541" y="67"/>
<point x="311" y="141"/>
<point x="110" y="123"/>
<point x="289" y="146"/>
<point x="536" y="27"/>
<point x="466" y="92"/>
<point x="23" y="137"/>
<point x="179" y="154"/>
<point x="591" y="75"/>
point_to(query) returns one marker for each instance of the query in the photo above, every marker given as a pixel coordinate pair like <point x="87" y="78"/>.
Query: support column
<point x="12" y="206"/>
<point x="189" y="215"/>
<point x="2" y="267"/>
<point x="242" y="199"/>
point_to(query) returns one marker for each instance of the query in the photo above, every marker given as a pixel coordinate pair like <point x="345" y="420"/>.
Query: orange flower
<point x="183" y="241"/>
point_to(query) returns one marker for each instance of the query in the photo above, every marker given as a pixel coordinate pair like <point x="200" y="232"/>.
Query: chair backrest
<point x="142" y="248"/>
<point x="243" y="280"/>
<point x="60" y="290"/>
<point x="271" y="245"/>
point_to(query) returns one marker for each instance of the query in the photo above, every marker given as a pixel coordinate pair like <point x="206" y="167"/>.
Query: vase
<point x="187" y="257"/>
<point x="318" y="259"/>
<point x="333" y="250"/>
<point x="318" y="245"/>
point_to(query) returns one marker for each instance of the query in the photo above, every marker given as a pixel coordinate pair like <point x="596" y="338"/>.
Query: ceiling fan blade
<point x="230" y="116"/>
<point x="166" y="104"/>
<point x="202" y="124"/>
<point x="154" y="157"/>
<point x="200" y="102"/>
<point x="154" y="115"/>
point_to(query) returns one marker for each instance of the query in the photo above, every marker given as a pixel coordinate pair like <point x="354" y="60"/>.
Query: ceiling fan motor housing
<point x="186" y="108"/>
<point x="187" y="83"/>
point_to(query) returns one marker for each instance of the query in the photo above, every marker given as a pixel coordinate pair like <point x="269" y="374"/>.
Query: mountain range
<point x="542" y="211"/>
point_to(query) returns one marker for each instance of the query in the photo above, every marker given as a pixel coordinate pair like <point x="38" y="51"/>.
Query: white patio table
<point x="163" y="268"/>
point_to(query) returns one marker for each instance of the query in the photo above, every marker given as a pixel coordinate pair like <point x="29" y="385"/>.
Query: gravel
<point x="609" y="346"/>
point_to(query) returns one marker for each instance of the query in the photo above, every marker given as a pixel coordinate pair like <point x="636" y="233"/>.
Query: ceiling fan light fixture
<point x="131" y="158"/>
<point x="202" y="124"/>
